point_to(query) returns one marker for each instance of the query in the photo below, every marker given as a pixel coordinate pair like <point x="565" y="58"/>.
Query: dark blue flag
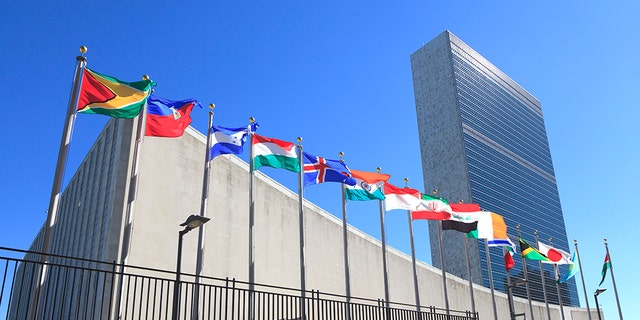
<point x="319" y="170"/>
<point x="229" y="140"/>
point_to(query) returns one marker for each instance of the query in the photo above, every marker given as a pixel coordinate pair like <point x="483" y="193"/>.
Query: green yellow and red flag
<point x="106" y="95"/>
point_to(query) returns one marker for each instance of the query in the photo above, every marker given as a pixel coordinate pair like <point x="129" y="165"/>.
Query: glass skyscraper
<point x="483" y="140"/>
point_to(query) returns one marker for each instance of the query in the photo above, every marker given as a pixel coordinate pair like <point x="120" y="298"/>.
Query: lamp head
<point x="599" y="291"/>
<point x="194" y="221"/>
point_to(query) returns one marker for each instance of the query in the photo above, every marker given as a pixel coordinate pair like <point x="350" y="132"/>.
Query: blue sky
<point x="338" y="74"/>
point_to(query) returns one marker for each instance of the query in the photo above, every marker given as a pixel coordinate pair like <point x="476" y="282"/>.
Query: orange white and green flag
<point x="102" y="94"/>
<point x="368" y="186"/>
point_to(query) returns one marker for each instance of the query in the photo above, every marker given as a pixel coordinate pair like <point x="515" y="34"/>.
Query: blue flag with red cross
<point x="319" y="170"/>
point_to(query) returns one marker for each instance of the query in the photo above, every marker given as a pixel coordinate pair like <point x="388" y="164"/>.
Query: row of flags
<point x="106" y="95"/>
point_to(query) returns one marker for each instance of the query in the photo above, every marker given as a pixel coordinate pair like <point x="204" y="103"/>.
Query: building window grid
<point x="470" y="114"/>
<point x="524" y="143"/>
<point x="498" y="170"/>
<point x="496" y="256"/>
<point x="460" y="55"/>
<point x="471" y="89"/>
<point x="461" y="62"/>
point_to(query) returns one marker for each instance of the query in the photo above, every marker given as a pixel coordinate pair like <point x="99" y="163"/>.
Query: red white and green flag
<point x="106" y="95"/>
<point x="369" y="186"/>
<point x="606" y="266"/>
<point x="274" y="153"/>
<point x="432" y="208"/>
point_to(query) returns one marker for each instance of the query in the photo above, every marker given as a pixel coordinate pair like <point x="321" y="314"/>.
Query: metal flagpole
<point x="303" y="283"/>
<point x="251" y="226"/>
<point x="473" y="301"/>
<point x="413" y="259"/>
<point x="125" y="229"/>
<point x="526" y="277"/>
<point x="555" y="270"/>
<point x="444" y="273"/>
<point x="544" y="287"/>
<point x="613" y="279"/>
<point x="347" y="282"/>
<point x="56" y="188"/>
<point x="493" y="295"/>
<point x="584" y="288"/>
<point x="384" y="258"/>
<point x="203" y="213"/>
<point x="560" y="304"/>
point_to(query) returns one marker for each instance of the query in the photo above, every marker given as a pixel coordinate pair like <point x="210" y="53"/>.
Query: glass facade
<point x="507" y="161"/>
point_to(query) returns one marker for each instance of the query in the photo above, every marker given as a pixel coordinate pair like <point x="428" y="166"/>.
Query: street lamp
<point x="595" y="296"/>
<point x="510" y="286"/>
<point x="193" y="222"/>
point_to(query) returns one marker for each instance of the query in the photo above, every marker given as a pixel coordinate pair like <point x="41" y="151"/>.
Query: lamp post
<point x="193" y="222"/>
<point x="595" y="296"/>
<point x="510" y="287"/>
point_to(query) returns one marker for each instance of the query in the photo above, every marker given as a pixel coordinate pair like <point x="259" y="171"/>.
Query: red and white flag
<point x="555" y="255"/>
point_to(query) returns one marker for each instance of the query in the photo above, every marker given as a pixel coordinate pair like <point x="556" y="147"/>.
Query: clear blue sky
<point x="337" y="73"/>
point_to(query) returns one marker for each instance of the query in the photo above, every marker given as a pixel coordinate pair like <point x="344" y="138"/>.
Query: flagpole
<point x="203" y="213"/>
<point x="555" y="269"/>
<point x="584" y="288"/>
<point x="613" y="279"/>
<point x="251" y="226"/>
<point x="544" y="287"/>
<point x="384" y="257"/>
<point x="444" y="273"/>
<point x="473" y="301"/>
<point x="303" y="283"/>
<point x="493" y="295"/>
<point x="58" y="176"/>
<point x="526" y="277"/>
<point x="466" y="249"/>
<point x="347" y="281"/>
<point x="512" y="309"/>
<point x="125" y="229"/>
<point x="413" y="259"/>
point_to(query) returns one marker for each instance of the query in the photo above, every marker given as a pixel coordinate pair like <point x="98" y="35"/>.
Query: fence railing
<point x="75" y="288"/>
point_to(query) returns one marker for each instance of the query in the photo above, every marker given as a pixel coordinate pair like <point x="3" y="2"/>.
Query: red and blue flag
<point x="168" y="118"/>
<point x="319" y="170"/>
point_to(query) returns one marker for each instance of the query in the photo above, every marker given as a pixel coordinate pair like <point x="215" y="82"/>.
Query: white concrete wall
<point x="170" y="183"/>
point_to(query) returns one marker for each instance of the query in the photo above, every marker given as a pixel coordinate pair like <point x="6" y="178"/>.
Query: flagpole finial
<point x="575" y="241"/>
<point x="145" y="77"/>
<point x="461" y="201"/>
<point x="406" y="182"/>
<point x="83" y="50"/>
<point x="252" y="120"/>
<point x="341" y="154"/>
<point x="435" y="192"/>
<point x="299" y="140"/>
<point x="211" y="106"/>
<point x="518" y="226"/>
<point x="605" y="240"/>
<point x="378" y="169"/>
<point x="535" y="232"/>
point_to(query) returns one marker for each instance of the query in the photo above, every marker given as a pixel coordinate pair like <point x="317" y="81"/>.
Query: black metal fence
<point x="72" y="288"/>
